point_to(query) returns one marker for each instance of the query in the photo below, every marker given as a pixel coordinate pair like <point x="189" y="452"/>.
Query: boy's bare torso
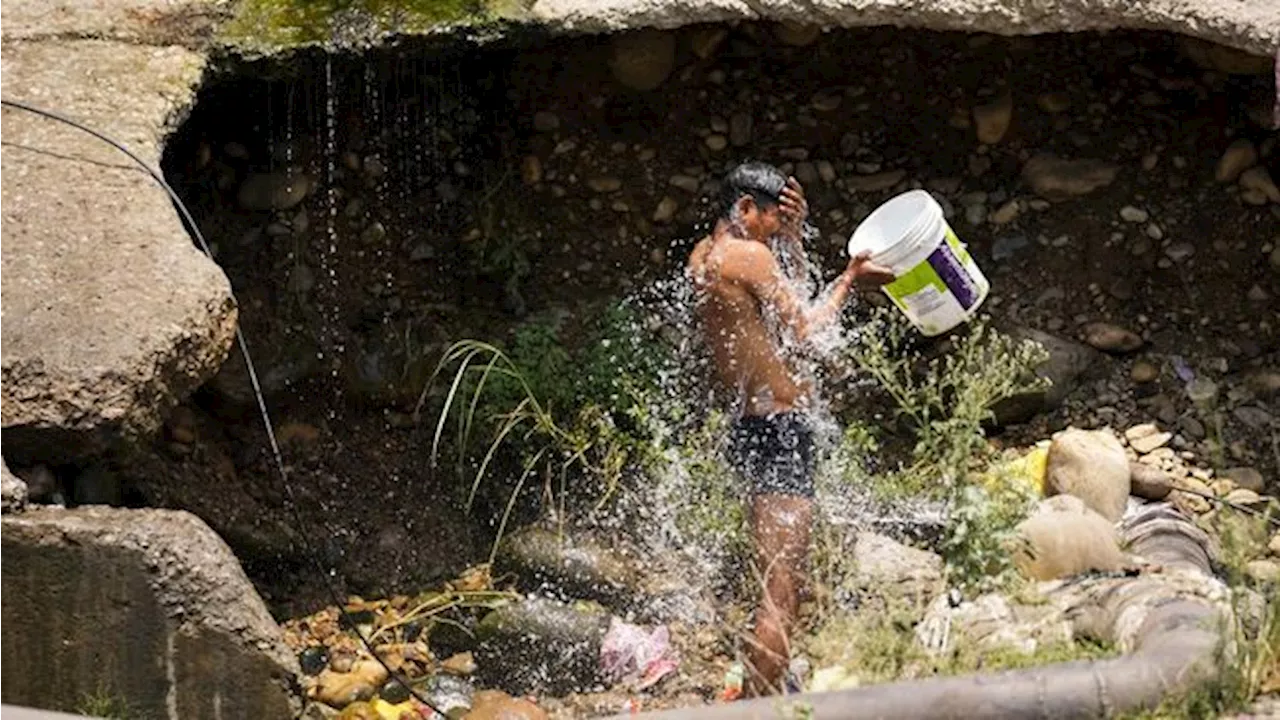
<point x="748" y="359"/>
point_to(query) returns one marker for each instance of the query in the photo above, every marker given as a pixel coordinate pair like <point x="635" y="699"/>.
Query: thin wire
<point x="257" y="390"/>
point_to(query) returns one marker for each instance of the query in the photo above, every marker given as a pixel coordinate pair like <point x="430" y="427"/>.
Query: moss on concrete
<point x="272" y="26"/>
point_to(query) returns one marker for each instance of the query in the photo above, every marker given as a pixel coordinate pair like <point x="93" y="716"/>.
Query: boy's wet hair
<point x="762" y="181"/>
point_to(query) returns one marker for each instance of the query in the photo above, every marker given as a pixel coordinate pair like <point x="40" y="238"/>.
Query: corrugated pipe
<point x="1173" y="640"/>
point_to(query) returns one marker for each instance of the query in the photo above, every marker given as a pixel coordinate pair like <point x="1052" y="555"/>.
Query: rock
<point x="77" y="581"/>
<point x="1111" y="338"/>
<point x="1245" y="498"/>
<point x="531" y="170"/>
<point x="1229" y="60"/>
<point x="497" y="705"/>
<point x="274" y="191"/>
<point x="642" y="59"/>
<point x="666" y="209"/>
<point x="460" y="664"/>
<point x="545" y="121"/>
<point x="991" y="121"/>
<point x="1258" y="180"/>
<point x="1064" y="538"/>
<point x="451" y="695"/>
<point x="111" y="315"/>
<point x="1245" y="477"/>
<point x="1263" y="571"/>
<point x="1274" y="545"/>
<point x="875" y="182"/>
<point x="1253" y="197"/>
<point x="716" y="143"/>
<point x="1006" y="213"/>
<point x="1144" y="372"/>
<point x="1180" y="251"/>
<point x="538" y="645"/>
<point x="544" y="560"/>
<point x="1149" y="483"/>
<point x="1129" y="213"/>
<point x="1091" y="465"/>
<point x="1263" y="381"/>
<point x="894" y="572"/>
<point x="339" y="690"/>
<point x="684" y="182"/>
<point x="1145" y="438"/>
<point x="796" y="34"/>
<point x="740" y="125"/>
<point x="313" y="660"/>
<point x="12" y="490"/>
<point x="604" y="184"/>
<point x="1054" y="102"/>
<point x="705" y="41"/>
<point x="1057" y="179"/>
<point x="807" y="173"/>
<point x="1238" y="157"/>
<point x="1069" y="362"/>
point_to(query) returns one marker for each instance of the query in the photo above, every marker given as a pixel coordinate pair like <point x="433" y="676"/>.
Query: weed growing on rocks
<point x="943" y="400"/>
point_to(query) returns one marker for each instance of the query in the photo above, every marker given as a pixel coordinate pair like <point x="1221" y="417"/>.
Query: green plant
<point x="104" y="703"/>
<point x="945" y="400"/>
<point x="982" y="533"/>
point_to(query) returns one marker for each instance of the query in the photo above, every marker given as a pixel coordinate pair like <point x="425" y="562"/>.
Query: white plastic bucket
<point x="938" y="284"/>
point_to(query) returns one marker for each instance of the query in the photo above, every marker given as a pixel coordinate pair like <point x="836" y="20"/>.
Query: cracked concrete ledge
<point x="111" y="315"/>
<point x="1251" y="25"/>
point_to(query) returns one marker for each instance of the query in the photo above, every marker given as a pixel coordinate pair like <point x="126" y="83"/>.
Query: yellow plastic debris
<point x="1026" y="472"/>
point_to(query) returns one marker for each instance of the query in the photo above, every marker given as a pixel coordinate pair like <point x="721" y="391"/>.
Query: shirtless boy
<point x="749" y="310"/>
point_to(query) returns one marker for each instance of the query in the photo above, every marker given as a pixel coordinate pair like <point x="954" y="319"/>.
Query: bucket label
<point x="954" y="275"/>
<point x="942" y="290"/>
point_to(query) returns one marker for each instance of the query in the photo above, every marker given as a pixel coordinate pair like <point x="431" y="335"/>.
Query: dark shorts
<point x="774" y="453"/>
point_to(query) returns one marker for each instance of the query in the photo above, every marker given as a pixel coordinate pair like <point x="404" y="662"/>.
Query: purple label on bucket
<point x="949" y="269"/>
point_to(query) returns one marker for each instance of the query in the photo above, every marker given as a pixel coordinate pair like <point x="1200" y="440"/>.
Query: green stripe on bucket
<point x="915" y="280"/>
<point x="954" y="241"/>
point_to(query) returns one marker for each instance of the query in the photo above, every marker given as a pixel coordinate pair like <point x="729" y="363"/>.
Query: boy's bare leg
<point x="780" y="524"/>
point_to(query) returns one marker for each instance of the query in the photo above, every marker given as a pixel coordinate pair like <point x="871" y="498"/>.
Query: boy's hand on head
<point x="794" y="207"/>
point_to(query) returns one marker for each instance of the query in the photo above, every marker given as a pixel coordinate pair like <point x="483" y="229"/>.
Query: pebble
<point x="825" y="102"/>
<point x="806" y="173"/>
<point x="1258" y="294"/>
<point x="1266" y="571"/>
<point x="1111" y="338"/>
<point x="341" y="689"/>
<point x="1239" y="156"/>
<point x="373" y="234"/>
<point x="826" y="171"/>
<point x="605" y="184"/>
<point x="1144" y="371"/>
<point x="991" y="121"/>
<point x="461" y="664"/>
<point x="1054" y="178"/>
<point x="313" y="660"/>
<point x="1149" y="161"/>
<point x="1006" y="213"/>
<point x="1274" y="545"/>
<point x="1258" y="180"/>
<point x="684" y="182"/>
<point x="1129" y="213"/>
<point x="740" y="125"/>
<point x="531" y="170"/>
<point x="876" y="181"/>
<point x="1180" y="251"/>
<point x="1191" y="427"/>
<point x="545" y="121"/>
<point x="1154" y="232"/>
<point x="1253" y="417"/>
<point x="1054" y="102"/>
<point x="666" y="209"/>
<point x="796" y="153"/>
<point x="975" y="214"/>
<point x="1274" y="259"/>
<point x="717" y="142"/>
<point x="1147" y="443"/>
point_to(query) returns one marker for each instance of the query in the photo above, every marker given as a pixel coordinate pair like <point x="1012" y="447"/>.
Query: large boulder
<point x="111" y="315"/>
<point x="1068" y="364"/>
<point x="887" y="569"/>
<point x="1063" y="538"/>
<point x="543" y="560"/>
<point x="539" y="646"/>
<point x="1091" y="465"/>
<point x="149" y="606"/>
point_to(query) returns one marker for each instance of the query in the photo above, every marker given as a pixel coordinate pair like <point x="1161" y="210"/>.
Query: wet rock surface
<point x="1092" y="466"/>
<point x="542" y="644"/>
<point x="544" y="560"/>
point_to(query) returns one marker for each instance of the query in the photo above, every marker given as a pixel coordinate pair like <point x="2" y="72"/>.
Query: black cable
<point x="257" y="391"/>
